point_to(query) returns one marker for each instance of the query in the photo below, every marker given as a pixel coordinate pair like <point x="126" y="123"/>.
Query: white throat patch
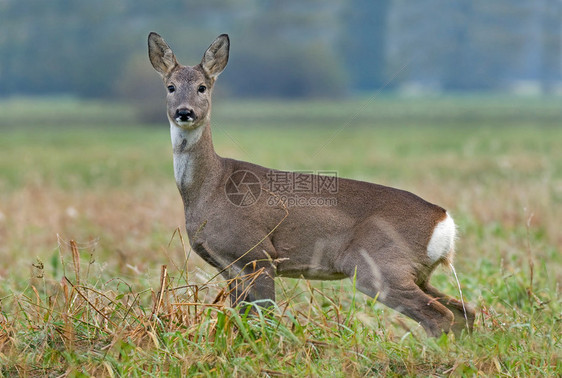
<point x="183" y="141"/>
<point x="179" y="135"/>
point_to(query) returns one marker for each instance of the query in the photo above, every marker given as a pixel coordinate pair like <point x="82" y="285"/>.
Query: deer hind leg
<point x="411" y="301"/>
<point x="456" y="307"/>
<point x="395" y="287"/>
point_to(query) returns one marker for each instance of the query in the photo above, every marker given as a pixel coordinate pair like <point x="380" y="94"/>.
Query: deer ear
<point x="216" y="57"/>
<point x="161" y="55"/>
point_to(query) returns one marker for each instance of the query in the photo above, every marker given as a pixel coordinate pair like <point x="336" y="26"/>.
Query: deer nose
<point x="185" y="115"/>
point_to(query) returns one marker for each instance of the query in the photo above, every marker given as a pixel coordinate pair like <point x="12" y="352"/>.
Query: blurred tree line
<point x="282" y="48"/>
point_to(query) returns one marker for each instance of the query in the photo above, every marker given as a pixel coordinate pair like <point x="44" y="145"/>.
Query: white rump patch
<point x="442" y="242"/>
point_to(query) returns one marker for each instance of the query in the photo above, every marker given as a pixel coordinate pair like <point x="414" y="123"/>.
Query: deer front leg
<point x="254" y="284"/>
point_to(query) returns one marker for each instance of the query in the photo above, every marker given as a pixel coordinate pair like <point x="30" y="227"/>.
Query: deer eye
<point x="201" y="89"/>
<point x="171" y="89"/>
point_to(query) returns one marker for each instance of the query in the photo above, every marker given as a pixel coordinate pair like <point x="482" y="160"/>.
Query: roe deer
<point x="387" y="239"/>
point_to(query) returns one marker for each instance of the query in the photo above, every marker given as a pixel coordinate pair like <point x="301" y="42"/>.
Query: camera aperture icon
<point x="243" y="188"/>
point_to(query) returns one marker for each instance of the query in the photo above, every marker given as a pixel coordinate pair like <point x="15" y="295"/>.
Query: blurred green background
<point x="284" y="49"/>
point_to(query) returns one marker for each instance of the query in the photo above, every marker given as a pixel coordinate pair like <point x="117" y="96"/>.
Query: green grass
<point x="103" y="307"/>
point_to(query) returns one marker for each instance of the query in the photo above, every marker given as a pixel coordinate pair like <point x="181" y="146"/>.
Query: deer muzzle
<point x="184" y="116"/>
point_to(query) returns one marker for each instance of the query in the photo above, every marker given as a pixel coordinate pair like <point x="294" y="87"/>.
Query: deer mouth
<point x="187" y="125"/>
<point x="185" y="122"/>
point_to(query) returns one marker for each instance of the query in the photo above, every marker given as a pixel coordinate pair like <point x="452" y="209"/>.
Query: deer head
<point x="189" y="87"/>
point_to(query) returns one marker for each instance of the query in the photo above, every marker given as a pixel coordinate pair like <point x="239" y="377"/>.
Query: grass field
<point x="96" y="277"/>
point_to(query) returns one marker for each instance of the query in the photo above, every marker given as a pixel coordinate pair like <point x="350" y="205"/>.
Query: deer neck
<point x="196" y="164"/>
